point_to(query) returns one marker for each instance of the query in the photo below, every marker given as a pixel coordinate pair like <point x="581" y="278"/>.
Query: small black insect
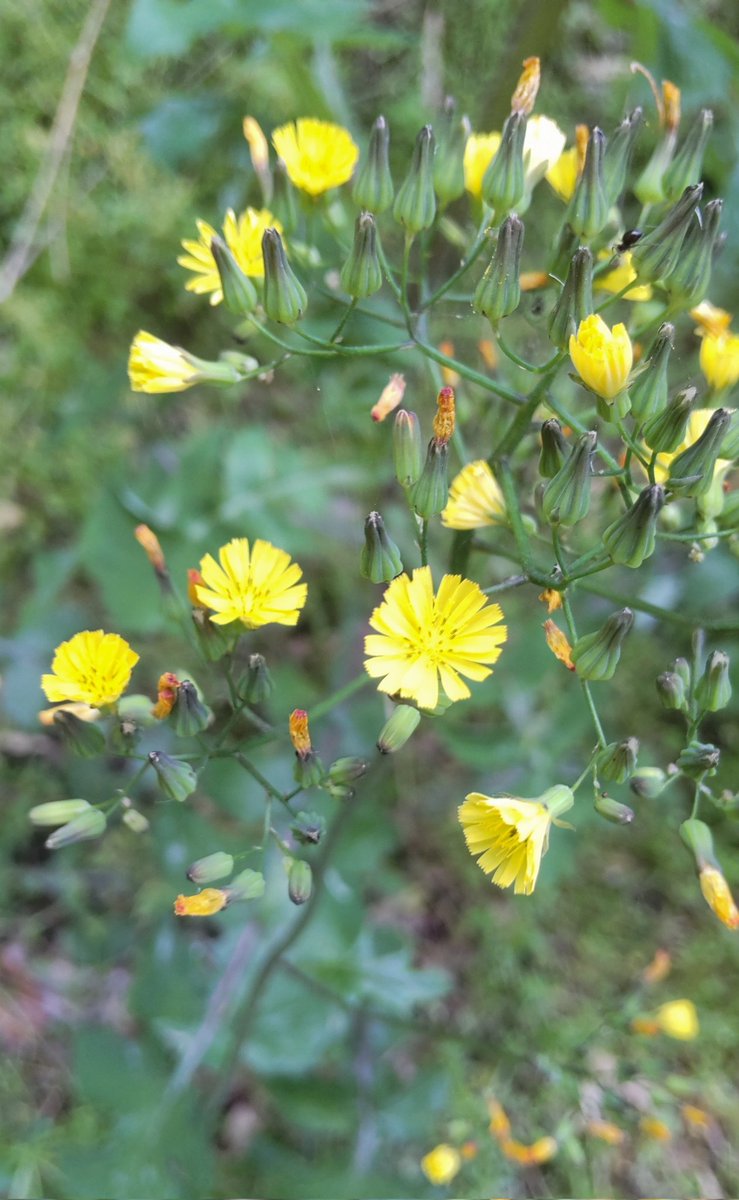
<point x="629" y="239"/>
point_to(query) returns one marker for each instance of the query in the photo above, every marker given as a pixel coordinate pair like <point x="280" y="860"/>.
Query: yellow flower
<point x="204" y="904"/>
<point x="242" y="235"/>
<point x="154" y="366"/>
<point x="258" y="586"/>
<point x="710" y="318"/>
<point x="602" y="357"/>
<point x="697" y="422"/>
<point x="678" y="1019"/>
<point x="717" y="895"/>
<point x="500" y="1126"/>
<point x="542" y="148"/>
<point x="511" y="835"/>
<point x="719" y="359"/>
<point x="621" y="275"/>
<point x="424" y="643"/>
<point x="655" y="1129"/>
<point x="479" y="152"/>
<point x="317" y="155"/>
<point x="539" y="1152"/>
<point x="475" y="500"/>
<point x="606" y="1131"/>
<point x="695" y="1118"/>
<point x="258" y="144"/>
<point x="83" y="712"/>
<point x="563" y="174"/>
<point x="658" y="969"/>
<point x="92" y="668"/>
<point x="441" y="1164"/>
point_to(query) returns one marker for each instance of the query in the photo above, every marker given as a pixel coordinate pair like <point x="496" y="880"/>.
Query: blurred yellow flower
<point x="500" y="1126"/>
<point x="678" y="1019"/>
<point x="697" y="422"/>
<point x="317" y="154"/>
<point x="695" y="1118"/>
<point x="658" y="969"/>
<point x="535" y="1155"/>
<point x="92" y="668"/>
<point x="717" y="895"/>
<point x="602" y="357"/>
<point x="424" y="642"/>
<point x="563" y="174"/>
<point x="83" y="712"/>
<point x="242" y="235"/>
<point x="156" y="367"/>
<point x="655" y="1129"/>
<point x="619" y="278"/>
<point x="508" y="836"/>
<point x="719" y="359"/>
<point x="479" y="152"/>
<point x="475" y="500"/>
<point x="258" y="144"/>
<point x="256" y="585"/>
<point x="606" y="1131"/>
<point x="204" y="904"/>
<point x="710" y="318"/>
<point x="441" y="1164"/>
<point x="542" y="148"/>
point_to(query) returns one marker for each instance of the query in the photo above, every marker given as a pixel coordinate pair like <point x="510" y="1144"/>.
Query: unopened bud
<point x="213" y="866"/>
<point x="687" y="164"/>
<point x="717" y="895"/>
<point x="284" y="203"/>
<point x="361" y="275"/>
<point x="553" y="448"/>
<point x="575" y="300"/>
<point x="85" y="827"/>
<point x="380" y="560"/>
<point x="82" y="737"/>
<point x="341" y="776"/>
<point x="566" y="497"/>
<point x="688" y="283"/>
<point x="57" y="812"/>
<point x="239" y="293"/>
<point x="449" y="159"/>
<point x="671" y="691"/>
<point x="498" y="293"/>
<point x="149" y="543"/>
<point x="588" y="211"/>
<point x="648" y="782"/>
<point x="631" y="538"/>
<point x="308" y="766"/>
<point x="713" y="689"/>
<point x="176" y="779"/>
<point x="407" y="448"/>
<point x="135" y="820"/>
<point x="596" y="655"/>
<point x="373" y="186"/>
<point x="308" y="828"/>
<point x="648" y="392"/>
<point x="691" y="472"/>
<point x="699" y="840"/>
<point x="189" y="715"/>
<point x="681" y="667"/>
<point x="612" y="810"/>
<point x="618" y="156"/>
<point x="431" y="492"/>
<point x="284" y="295"/>
<point x="504" y="182"/>
<point x="299" y="881"/>
<point x="617" y="761"/>
<point x="257" y="684"/>
<point x="699" y="759"/>
<point x="650" y="186"/>
<point x="665" y="431"/>
<point x="247" y="885"/>
<point x="656" y="255"/>
<point x="398" y="728"/>
<point x="415" y="203"/>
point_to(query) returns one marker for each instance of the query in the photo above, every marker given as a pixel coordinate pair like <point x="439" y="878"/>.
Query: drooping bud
<point x="617" y="761"/>
<point x="308" y="766"/>
<point x="631" y="537"/>
<point x="284" y="200"/>
<point x="239" y="293"/>
<point x="499" y="292"/>
<point x="149" y="543"/>
<point x="57" y="812"/>
<point x="247" y="885"/>
<point x="373" y="187"/>
<point x="656" y="255"/>
<point x="699" y="759"/>
<point x="85" y="827"/>
<point x="341" y="776"/>
<point x="575" y="301"/>
<point x="612" y="810"/>
<point x="407" y="448"/>
<point x="596" y="655"/>
<point x="176" y="779"/>
<point x="308" y="828"/>
<point x="299" y="881"/>
<point x="671" y="691"/>
<point x="566" y="497"/>
<point x="504" y="182"/>
<point x="687" y="164"/>
<point x="691" y="471"/>
<point x="204" y="904"/>
<point x="648" y="782"/>
<point x="449" y="160"/>
<point x="257" y="684"/>
<point x="431" y="492"/>
<point x="553" y="448"/>
<point x="284" y="295"/>
<point x="618" y="156"/>
<point x="713" y="689"/>
<point x="648" y="391"/>
<point x="189" y="715"/>
<point x="688" y="283"/>
<point x="380" y="560"/>
<point x="415" y="203"/>
<point x="361" y="275"/>
<point x="588" y="211"/>
<point x="213" y="866"/>
<point x="390" y="397"/>
<point x="665" y="431"/>
<point x="82" y="737"/>
<point x="403" y="721"/>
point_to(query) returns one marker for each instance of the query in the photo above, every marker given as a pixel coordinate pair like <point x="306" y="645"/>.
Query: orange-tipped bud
<point x="390" y="398"/>
<point x="444" y="419"/>
<point x="527" y="88"/>
<point x="194" y="581"/>
<point x="149" y="543"/>
<point x="299" y="733"/>
<point x="204" y="904"/>
<point x="670" y="105"/>
<point x="167" y="690"/>
<point x="558" y="644"/>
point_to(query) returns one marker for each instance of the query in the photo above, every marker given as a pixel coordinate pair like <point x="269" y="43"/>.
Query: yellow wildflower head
<point x="475" y="500"/>
<point x="317" y="154"/>
<point x="92" y="667"/>
<point x="479" y="152"/>
<point x="719" y="359"/>
<point x="563" y="174"/>
<point x="204" y="904"/>
<point x="441" y="1164"/>
<point x="602" y="357"/>
<point x="155" y="367"/>
<point x="508" y="836"/>
<point x="710" y="319"/>
<point x="678" y="1019"/>
<point x="242" y="235"/>
<point x="257" y="585"/>
<point x="717" y="895"/>
<point x="424" y="642"/>
<point x="622" y="275"/>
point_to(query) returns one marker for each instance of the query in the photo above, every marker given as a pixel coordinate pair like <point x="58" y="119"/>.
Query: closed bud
<point x="380" y="560"/>
<point x="82" y="737"/>
<point x="135" y="820"/>
<point x="575" y="301"/>
<point x="449" y="160"/>
<point x="681" y="667"/>
<point x="588" y="211"/>
<point x="687" y="164"/>
<point x="189" y="715"/>
<point x="648" y="392"/>
<point x="308" y="828"/>
<point x="713" y="689"/>
<point x="717" y="895"/>
<point x="342" y="775"/>
<point x="308" y="767"/>
<point x="176" y="779"/>
<point x="247" y="885"/>
<point x="566" y="497"/>
<point x="553" y="448"/>
<point x="650" y="186"/>
<point x="398" y="728"/>
<point x="213" y="866"/>
<point x="85" y="827"/>
<point x="361" y="275"/>
<point x="299" y="881"/>
<point x="213" y="640"/>
<point x="498" y="293"/>
<point x="504" y="182"/>
<point x="57" y="812"/>
<point x="688" y="283"/>
<point x="284" y="295"/>
<point x="612" y="810"/>
<point x="596" y="655"/>
<point x="691" y="472"/>
<point x="631" y="537"/>
<point x="617" y="761"/>
<point x="284" y="201"/>
<point x="666" y="429"/>
<point x="648" y="782"/>
<point x="699" y="759"/>
<point x="671" y="691"/>
<point x="415" y="203"/>
<point x="699" y="840"/>
<point x="407" y="448"/>
<point x="618" y="155"/>
<point x="431" y="492"/>
<point x="656" y="255"/>
<point x="256" y="684"/>
<point x="373" y="185"/>
<point x="239" y="293"/>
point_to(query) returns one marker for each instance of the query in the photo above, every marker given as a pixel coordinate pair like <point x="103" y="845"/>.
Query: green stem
<point x="570" y="619"/>
<point x="520" y="424"/>
<point x="483" y="381"/>
<point x="521" y="362"/>
<point x="349" y="310"/>
<point x="352" y="351"/>
<point x="269" y="788"/>
<point x="474" y="253"/>
<point x="424" y="542"/>
<point x="392" y="282"/>
<point x="408" y="243"/>
<point x="504" y="476"/>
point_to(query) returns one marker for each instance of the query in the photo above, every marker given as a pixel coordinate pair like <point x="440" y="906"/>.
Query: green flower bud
<point x="699" y="840"/>
<point x="596" y="655"/>
<point x="666" y="429"/>
<point x="308" y="828"/>
<point x="649" y="187"/>
<point x="85" y="827"/>
<point x="415" y="203"/>
<point x="681" y="667"/>
<point x="135" y="820"/>
<point x="239" y="293"/>
<point x="699" y="759"/>
<point x="631" y="537"/>
<point x="612" y="810"/>
<point x="176" y="779"/>
<point x="617" y="761"/>
<point x="566" y="497"/>
<point x="284" y="203"/>
<point x="299" y="881"/>
<point x="657" y="254"/>
<point x="575" y="301"/>
<point x="137" y="709"/>
<point x="504" y="182"/>
<point x="361" y="275"/>
<point x="648" y="392"/>
<point x="57" y="812"/>
<point x="407" y="448"/>
<point x="247" y="885"/>
<point x="373" y="185"/>
<point x="687" y="164"/>
<point x="82" y="737"/>
<point x="648" y="782"/>
<point x="588" y="210"/>
<point x="553" y="448"/>
<point x="432" y="489"/>
<point x="449" y="160"/>
<point x="671" y="690"/>
<point x="730" y="446"/>
<point x="692" y="471"/>
<point x="688" y="283"/>
<point x="284" y="295"/>
<point x="380" y="560"/>
<point x="403" y="721"/>
<point x="213" y="640"/>
<point x="189" y="715"/>
<point x="342" y="774"/>
<point x="499" y="292"/>
<point x="618" y="156"/>
<point x="213" y="866"/>
<point x="713" y="689"/>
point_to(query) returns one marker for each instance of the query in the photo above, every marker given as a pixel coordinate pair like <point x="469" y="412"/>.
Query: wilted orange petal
<point x="558" y="644"/>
